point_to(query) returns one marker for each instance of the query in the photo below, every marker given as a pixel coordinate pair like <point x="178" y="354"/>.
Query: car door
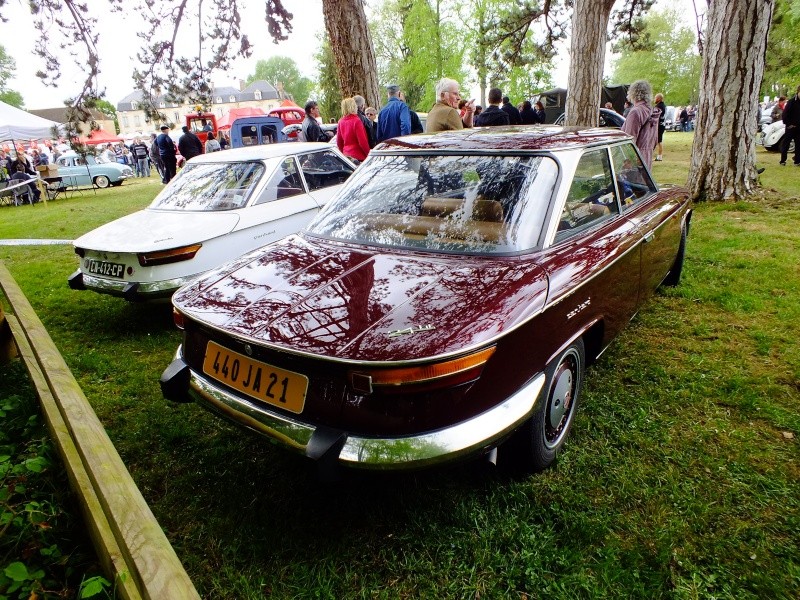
<point x="655" y="216"/>
<point x="283" y="206"/>
<point x="324" y="172"/>
<point x="593" y="261"/>
<point x="74" y="170"/>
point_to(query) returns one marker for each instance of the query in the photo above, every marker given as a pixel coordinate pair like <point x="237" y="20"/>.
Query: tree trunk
<point x="587" y="56"/>
<point x="351" y="43"/>
<point x="723" y="153"/>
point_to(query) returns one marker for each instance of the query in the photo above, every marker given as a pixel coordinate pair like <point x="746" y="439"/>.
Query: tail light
<point x="434" y="375"/>
<point x="177" y="318"/>
<point x="164" y="257"/>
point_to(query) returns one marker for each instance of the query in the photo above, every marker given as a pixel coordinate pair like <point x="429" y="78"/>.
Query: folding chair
<point x="21" y="194"/>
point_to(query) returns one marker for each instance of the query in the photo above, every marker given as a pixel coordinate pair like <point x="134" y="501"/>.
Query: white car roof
<point x="262" y="152"/>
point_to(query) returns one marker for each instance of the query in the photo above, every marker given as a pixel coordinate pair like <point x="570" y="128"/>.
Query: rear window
<point x="463" y="203"/>
<point x="211" y="187"/>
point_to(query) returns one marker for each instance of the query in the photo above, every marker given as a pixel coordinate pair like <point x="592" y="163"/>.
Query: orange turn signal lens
<point x="449" y="372"/>
<point x="163" y="257"/>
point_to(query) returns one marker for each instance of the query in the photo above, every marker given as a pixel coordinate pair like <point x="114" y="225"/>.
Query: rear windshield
<point x="463" y="203"/>
<point x="211" y="186"/>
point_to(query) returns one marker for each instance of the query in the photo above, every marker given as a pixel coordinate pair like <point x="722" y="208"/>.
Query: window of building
<point x="258" y="94"/>
<point x="232" y="99"/>
<point x="137" y="122"/>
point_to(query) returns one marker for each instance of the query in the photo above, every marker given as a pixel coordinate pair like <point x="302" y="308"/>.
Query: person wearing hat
<point x="167" y="154"/>
<point x="394" y="118"/>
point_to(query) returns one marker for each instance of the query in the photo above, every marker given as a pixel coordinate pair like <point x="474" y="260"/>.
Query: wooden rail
<point x="131" y="546"/>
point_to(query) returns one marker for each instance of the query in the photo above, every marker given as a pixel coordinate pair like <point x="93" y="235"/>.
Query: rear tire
<point x="673" y="278"/>
<point x="535" y="446"/>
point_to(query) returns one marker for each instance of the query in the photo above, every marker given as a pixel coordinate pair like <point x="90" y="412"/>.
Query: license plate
<point x="106" y="269"/>
<point x="256" y="379"/>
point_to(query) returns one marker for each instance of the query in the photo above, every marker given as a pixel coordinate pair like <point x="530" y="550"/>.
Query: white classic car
<point x="219" y="206"/>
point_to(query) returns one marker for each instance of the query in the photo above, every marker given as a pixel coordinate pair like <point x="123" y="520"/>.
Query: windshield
<point x="210" y="186"/>
<point x="486" y="204"/>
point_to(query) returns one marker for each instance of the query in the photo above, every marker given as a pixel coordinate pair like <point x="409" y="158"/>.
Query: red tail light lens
<point x="177" y="318"/>
<point x="163" y="257"/>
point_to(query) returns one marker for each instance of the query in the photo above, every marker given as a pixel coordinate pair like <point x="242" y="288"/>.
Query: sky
<point x="118" y="45"/>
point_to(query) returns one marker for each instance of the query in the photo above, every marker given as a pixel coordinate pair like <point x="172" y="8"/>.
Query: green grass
<point x="680" y="479"/>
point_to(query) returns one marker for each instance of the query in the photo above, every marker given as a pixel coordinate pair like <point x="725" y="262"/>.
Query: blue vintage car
<point x="77" y="172"/>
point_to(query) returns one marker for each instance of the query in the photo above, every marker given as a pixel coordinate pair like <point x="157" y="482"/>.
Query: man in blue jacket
<point x="394" y="118"/>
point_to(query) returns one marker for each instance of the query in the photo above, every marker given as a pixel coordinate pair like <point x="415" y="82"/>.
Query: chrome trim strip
<point x="460" y="440"/>
<point x="145" y="289"/>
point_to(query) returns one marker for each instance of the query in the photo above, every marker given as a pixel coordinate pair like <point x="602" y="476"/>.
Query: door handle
<point x="649" y="237"/>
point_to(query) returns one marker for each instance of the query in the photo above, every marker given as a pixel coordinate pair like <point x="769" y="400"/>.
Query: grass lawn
<point x="681" y="478"/>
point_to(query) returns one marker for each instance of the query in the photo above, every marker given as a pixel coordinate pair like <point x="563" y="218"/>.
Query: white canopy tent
<point x="16" y="124"/>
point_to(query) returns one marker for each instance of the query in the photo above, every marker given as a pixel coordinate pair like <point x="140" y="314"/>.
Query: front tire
<point x="101" y="181"/>
<point x="535" y="446"/>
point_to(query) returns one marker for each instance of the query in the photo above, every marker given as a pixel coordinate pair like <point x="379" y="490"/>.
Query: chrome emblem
<point x="408" y="330"/>
<point x="248" y="349"/>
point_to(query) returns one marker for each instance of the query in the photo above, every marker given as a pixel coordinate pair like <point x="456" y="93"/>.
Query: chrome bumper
<point x="472" y="436"/>
<point x="134" y="291"/>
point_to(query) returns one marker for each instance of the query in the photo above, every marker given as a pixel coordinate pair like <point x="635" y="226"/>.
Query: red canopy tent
<point x="227" y="120"/>
<point x="100" y="136"/>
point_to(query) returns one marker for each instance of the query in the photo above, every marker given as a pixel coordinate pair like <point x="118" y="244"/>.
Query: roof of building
<point x="59" y="115"/>
<point x="267" y="90"/>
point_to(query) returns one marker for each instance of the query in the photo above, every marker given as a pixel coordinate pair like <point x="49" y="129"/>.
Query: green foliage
<point x="329" y="96"/>
<point x="415" y="46"/>
<point x="671" y="64"/>
<point x="13" y="98"/>
<point x="35" y="560"/>
<point x="782" y="68"/>
<point x="7" y="67"/>
<point x="283" y="71"/>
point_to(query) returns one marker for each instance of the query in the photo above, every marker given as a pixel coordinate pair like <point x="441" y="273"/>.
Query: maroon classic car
<point x="444" y="304"/>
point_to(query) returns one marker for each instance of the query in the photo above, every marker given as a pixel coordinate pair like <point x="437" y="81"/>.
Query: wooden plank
<point x="8" y="349"/>
<point x="100" y="531"/>
<point x="155" y="568"/>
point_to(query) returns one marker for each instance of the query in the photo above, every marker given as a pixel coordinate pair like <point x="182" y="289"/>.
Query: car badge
<point x="408" y="330"/>
<point x="248" y="349"/>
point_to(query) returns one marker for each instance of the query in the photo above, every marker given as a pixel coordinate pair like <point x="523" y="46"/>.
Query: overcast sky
<point x="118" y="45"/>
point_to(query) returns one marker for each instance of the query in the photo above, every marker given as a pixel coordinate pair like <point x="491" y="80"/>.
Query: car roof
<point x="512" y="138"/>
<point x="261" y="152"/>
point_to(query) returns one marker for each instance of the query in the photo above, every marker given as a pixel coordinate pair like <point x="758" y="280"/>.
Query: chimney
<point x="241" y="85"/>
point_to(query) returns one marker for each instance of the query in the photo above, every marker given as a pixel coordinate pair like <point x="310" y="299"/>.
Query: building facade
<point x="132" y="120"/>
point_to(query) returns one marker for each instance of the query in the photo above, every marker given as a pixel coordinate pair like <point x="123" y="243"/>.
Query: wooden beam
<point x="153" y="566"/>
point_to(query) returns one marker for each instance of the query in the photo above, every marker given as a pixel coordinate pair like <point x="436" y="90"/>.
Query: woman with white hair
<point x="642" y="120"/>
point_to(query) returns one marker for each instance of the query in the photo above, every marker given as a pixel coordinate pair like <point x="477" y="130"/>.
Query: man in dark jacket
<point x="493" y="115"/>
<point x="311" y="131"/>
<point x="166" y="152"/>
<point x="511" y="111"/>
<point x="791" y="118"/>
<point x="368" y="126"/>
<point x="189" y="145"/>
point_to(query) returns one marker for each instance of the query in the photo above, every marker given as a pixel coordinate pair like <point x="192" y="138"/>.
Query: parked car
<point x="220" y="205"/>
<point x="772" y="137"/>
<point x="94" y="170"/>
<point x="607" y="118"/>
<point x="445" y="304"/>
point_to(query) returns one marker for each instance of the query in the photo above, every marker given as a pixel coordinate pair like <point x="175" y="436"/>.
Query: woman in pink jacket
<point x="351" y="137"/>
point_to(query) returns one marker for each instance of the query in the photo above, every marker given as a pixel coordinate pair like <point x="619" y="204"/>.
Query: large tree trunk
<point x="587" y="55"/>
<point x="351" y="43"/>
<point x="723" y="153"/>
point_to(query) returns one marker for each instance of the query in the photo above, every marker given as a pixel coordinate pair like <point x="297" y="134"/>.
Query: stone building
<point x="258" y="94"/>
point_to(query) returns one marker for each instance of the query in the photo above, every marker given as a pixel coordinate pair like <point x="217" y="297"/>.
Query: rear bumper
<point x="132" y="291"/>
<point x="460" y="440"/>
